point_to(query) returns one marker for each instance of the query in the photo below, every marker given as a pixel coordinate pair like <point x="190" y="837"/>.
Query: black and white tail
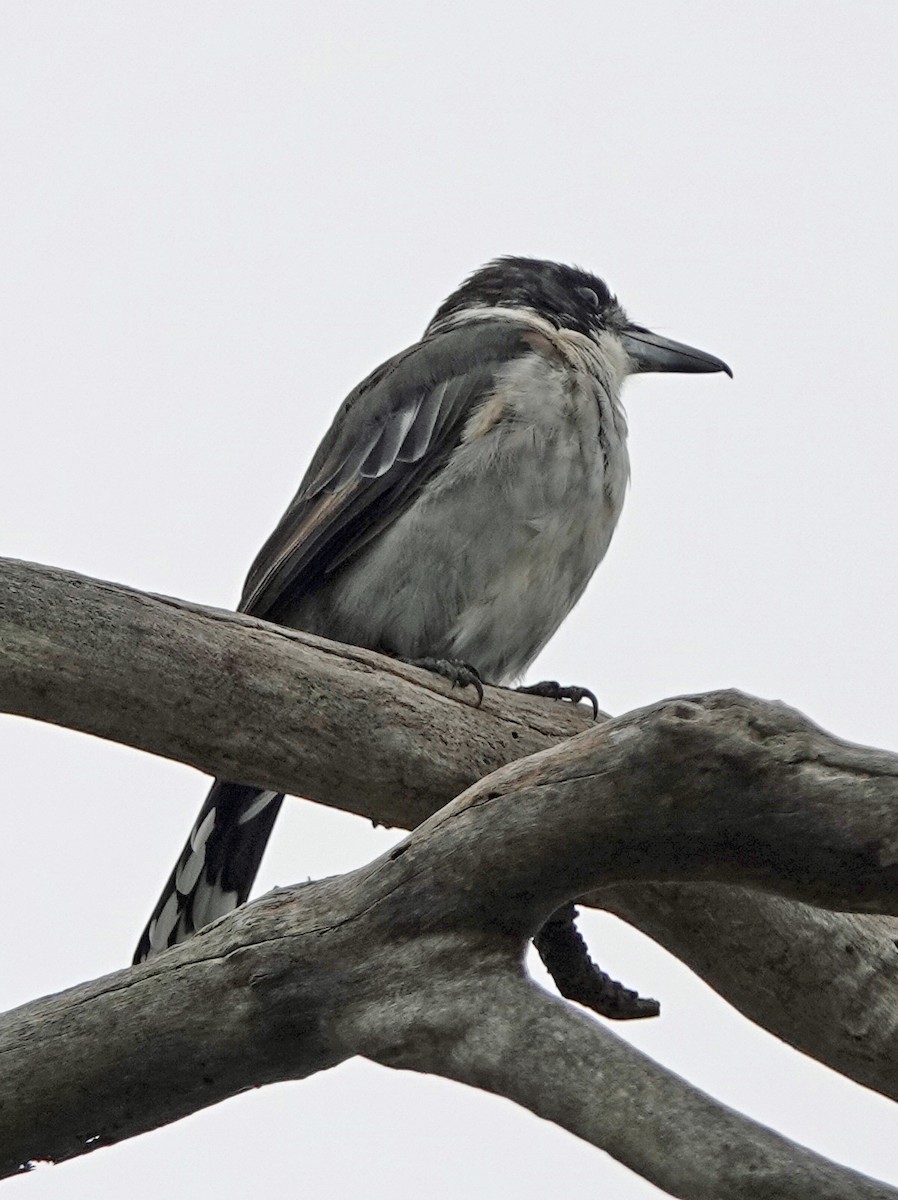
<point x="216" y="868"/>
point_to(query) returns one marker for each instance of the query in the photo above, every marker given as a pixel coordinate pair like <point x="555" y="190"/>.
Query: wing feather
<point x="393" y="432"/>
<point x="386" y="448"/>
<point x="419" y="433"/>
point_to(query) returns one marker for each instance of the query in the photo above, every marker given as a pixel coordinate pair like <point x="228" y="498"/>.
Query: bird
<point x="452" y="516"/>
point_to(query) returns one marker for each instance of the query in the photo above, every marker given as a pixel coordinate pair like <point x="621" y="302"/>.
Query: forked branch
<point x="415" y="960"/>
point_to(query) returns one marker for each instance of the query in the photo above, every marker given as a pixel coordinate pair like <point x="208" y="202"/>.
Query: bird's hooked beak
<point x="651" y="352"/>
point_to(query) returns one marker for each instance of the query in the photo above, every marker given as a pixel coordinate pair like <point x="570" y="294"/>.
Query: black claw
<point x="459" y="674"/>
<point x="553" y="690"/>
<point x="578" y="978"/>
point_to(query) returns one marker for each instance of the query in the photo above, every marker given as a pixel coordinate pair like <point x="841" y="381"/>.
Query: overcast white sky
<point x="214" y="219"/>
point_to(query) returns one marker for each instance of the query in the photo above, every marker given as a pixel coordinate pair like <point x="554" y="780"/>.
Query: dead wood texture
<point x="731" y="830"/>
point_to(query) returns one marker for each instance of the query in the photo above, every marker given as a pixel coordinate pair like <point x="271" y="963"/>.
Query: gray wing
<point x="394" y="431"/>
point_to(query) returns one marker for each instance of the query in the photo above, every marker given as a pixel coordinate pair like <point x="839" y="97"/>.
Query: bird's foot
<point x="459" y="674"/>
<point x="553" y="690"/>
<point x="565" y="954"/>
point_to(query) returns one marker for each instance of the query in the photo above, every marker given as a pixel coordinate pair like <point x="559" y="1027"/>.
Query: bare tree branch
<point x="236" y="697"/>
<point x="824" y="982"/>
<point x="522" y="1043"/>
<point x="383" y="962"/>
<point x="415" y="961"/>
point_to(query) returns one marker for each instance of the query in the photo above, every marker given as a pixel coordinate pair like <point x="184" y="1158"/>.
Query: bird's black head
<point x="566" y="296"/>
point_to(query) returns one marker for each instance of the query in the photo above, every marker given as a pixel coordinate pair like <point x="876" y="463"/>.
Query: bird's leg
<point x="459" y="674"/>
<point x="553" y="690"/>
<point x="565" y="954"/>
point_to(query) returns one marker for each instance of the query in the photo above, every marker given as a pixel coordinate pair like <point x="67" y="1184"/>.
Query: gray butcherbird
<point x="452" y="516"/>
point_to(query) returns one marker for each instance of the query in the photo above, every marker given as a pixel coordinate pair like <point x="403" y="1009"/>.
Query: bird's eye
<point x="589" y="296"/>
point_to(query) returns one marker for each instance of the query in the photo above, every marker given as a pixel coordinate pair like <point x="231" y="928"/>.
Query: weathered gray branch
<point x="824" y="982"/>
<point x="383" y="962"/>
<point x="236" y="697"/>
<point x="520" y="1042"/>
<point x="415" y="961"/>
